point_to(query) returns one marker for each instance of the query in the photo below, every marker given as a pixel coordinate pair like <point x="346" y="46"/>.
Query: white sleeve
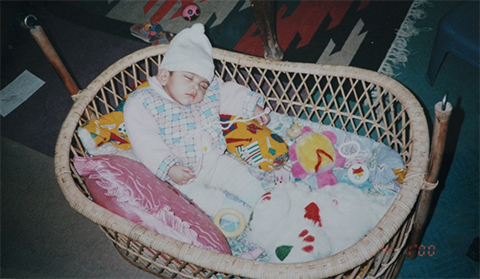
<point x="236" y="99"/>
<point x="147" y="144"/>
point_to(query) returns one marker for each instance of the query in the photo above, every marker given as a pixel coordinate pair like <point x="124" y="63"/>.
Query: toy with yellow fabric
<point x="110" y="128"/>
<point x="253" y="143"/>
<point x="314" y="154"/>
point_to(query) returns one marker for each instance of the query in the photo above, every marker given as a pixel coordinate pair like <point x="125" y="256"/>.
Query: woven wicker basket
<point x="359" y="101"/>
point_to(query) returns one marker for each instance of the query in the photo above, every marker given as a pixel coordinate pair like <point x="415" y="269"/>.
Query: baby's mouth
<point x="191" y="95"/>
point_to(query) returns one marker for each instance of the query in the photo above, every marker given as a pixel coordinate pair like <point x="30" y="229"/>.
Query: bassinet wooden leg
<point x="265" y="14"/>
<point x="442" y="115"/>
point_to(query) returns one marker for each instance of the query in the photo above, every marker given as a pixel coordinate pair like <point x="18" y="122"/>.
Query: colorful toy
<point x="314" y="154"/>
<point x="151" y="33"/>
<point x="152" y="29"/>
<point x="191" y="12"/>
<point x="253" y="143"/>
<point x="109" y="128"/>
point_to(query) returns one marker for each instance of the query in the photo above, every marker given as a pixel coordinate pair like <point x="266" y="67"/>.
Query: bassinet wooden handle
<point x="42" y="40"/>
<point x="443" y="111"/>
<point x="52" y="56"/>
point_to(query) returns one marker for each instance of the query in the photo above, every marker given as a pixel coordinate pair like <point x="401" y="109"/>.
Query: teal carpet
<point x="455" y="220"/>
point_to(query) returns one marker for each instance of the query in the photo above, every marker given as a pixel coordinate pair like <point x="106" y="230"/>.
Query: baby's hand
<point x="264" y="119"/>
<point x="180" y="174"/>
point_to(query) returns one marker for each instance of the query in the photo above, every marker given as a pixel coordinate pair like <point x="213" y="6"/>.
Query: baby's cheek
<point x="199" y="97"/>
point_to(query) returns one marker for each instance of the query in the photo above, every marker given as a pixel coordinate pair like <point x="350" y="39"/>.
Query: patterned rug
<point x="359" y="33"/>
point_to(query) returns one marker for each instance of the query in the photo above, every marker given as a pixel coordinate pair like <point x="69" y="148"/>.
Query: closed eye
<point x="204" y="86"/>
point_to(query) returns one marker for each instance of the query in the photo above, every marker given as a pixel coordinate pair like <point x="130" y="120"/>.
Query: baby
<point x="173" y="124"/>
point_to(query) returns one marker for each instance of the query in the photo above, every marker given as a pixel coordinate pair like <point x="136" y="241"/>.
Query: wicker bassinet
<point x="356" y="100"/>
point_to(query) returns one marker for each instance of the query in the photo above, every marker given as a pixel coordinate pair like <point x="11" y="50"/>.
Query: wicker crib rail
<point x="356" y="100"/>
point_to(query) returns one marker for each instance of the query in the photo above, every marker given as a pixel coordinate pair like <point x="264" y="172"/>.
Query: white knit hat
<point x="190" y="51"/>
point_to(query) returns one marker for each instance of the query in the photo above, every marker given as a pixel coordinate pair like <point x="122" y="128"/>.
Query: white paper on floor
<point x="18" y="91"/>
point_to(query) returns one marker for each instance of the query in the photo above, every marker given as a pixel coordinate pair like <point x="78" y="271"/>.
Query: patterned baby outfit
<point x="164" y="133"/>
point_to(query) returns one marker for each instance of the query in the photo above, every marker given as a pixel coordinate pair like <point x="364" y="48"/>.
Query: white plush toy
<point x="284" y="229"/>
<point x="293" y="224"/>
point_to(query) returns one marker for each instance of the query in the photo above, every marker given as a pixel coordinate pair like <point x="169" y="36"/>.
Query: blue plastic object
<point x="458" y="34"/>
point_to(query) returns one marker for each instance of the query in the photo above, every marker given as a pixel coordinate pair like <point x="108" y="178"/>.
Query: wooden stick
<point x="266" y="17"/>
<point x="52" y="56"/>
<point x="442" y="116"/>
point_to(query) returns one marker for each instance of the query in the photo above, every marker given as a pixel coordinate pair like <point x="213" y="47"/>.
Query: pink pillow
<point x="129" y="189"/>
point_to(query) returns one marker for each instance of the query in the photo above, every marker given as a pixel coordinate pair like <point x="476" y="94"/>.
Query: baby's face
<point x="186" y="88"/>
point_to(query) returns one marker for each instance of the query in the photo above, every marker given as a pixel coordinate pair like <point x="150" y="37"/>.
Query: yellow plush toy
<point x="254" y="143"/>
<point x="109" y="128"/>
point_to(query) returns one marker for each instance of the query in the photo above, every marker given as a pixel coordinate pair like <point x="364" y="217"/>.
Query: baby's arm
<point x="263" y="119"/>
<point x="147" y="144"/>
<point x="236" y="99"/>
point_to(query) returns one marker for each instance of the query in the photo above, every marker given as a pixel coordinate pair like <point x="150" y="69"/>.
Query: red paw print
<point x="267" y="196"/>
<point x="307" y="238"/>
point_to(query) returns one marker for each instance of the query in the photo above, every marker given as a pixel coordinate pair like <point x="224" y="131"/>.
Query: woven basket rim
<point x="341" y="262"/>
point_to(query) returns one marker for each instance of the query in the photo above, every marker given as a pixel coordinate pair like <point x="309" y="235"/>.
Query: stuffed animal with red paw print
<point x="288" y="225"/>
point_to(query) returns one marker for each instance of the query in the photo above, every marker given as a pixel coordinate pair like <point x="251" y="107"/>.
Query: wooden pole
<point x="266" y="17"/>
<point x="42" y="40"/>
<point x="443" y="111"/>
<point x="52" y="56"/>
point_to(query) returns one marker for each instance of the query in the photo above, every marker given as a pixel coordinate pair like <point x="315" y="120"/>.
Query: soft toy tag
<point x="254" y="143"/>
